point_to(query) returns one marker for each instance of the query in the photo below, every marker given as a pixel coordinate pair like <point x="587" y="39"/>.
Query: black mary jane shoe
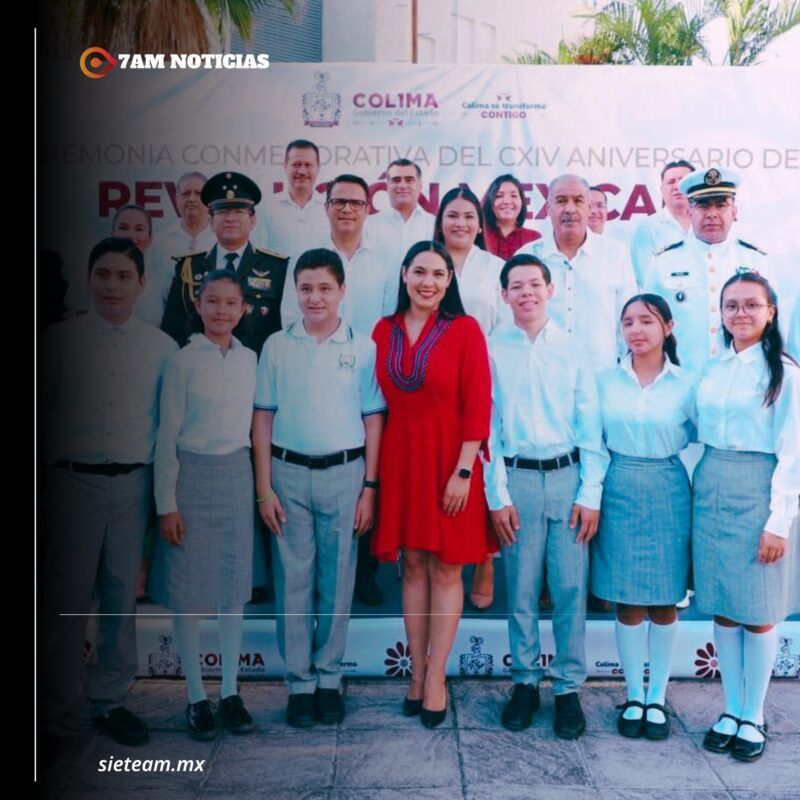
<point x="630" y="728"/>
<point x="411" y="708"/>
<point x="716" y="742"/>
<point x="745" y="750"/>
<point x="655" y="731"/>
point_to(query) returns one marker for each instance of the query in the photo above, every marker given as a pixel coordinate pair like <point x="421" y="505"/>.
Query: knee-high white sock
<point x="187" y="635"/>
<point x="731" y="666"/>
<point x="632" y="646"/>
<point x="229" y="625"/>
<point x="661" y="643"/>
<point x="759" y="658"/>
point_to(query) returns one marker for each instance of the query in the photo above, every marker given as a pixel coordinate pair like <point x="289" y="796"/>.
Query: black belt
<point x="544" y="466"/>
<point x="317" y="462"/>
<point x="99" y="469"/>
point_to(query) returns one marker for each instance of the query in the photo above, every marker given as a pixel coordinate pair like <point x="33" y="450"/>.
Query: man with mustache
<point x="593" y="276"/>
<point x="689" y="274"/>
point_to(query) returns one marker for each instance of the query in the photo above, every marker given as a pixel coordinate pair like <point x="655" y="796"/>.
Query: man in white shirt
<point x="100" y="381"/>
<point x="295" y="219"/>
<point x="190" y="233"/>
<point x="598" y="210"/>
<point x="593" y="275"/>
<point x="543" y="488"/>
<point x="668" y="225"/>
<point x="689" y="274"/>
<point x="405" y="222"/>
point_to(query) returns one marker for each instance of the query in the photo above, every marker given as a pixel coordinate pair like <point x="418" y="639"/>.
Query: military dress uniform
<point x="262" y="274"/>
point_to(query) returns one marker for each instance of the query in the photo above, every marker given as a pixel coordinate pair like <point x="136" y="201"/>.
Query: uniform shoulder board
<point x="749" y="246"/>
<point x="672" y="246"/>
<point x="273" y="253"/>
<point x="191" y="254"/>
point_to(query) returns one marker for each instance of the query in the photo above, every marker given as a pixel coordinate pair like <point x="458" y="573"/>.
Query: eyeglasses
<point x="340" y="203"/>
<point x="749" y="307"/>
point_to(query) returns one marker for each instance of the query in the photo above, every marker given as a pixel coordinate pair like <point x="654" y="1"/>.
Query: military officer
<point x="689" y="274"/>
<point x="231" y="199"/>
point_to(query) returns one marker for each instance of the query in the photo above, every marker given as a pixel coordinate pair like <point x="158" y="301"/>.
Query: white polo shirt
<point x="319" y="391"/>
<point x="287" y="228"/>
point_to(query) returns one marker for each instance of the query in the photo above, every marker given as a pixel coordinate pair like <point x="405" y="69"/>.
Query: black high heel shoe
<point x="411" y="708"/>
<point x="430" y="719"/>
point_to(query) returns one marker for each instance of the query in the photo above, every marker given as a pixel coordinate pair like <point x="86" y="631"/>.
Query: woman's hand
<point x="505" y="522"/>
<point x="455" y="495"/>
<point x="172" y="527"/>
<point x="272" y="512"/>
<point x="365" y="511"/>
<point x="771" y="548"/>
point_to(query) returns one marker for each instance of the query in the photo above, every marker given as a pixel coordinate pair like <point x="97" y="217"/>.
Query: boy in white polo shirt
<point x="316" y="434"/>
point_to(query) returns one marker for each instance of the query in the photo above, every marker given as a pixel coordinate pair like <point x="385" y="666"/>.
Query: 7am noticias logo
<point x="97" y="62"/>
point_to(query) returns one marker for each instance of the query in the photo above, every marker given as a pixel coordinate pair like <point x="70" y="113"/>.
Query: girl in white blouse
<point x="746" y="486"/>
<point x="459" y="227"/>
<point x="641" y="554"/>
<point x="205" y="498"/>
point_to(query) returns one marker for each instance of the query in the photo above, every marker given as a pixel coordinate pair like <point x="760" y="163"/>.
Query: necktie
<point x="230" y="258"/>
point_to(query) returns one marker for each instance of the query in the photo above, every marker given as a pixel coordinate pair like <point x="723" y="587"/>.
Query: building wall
<point x="284" y="37"/>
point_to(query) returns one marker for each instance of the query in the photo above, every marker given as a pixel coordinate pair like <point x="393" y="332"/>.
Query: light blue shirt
<point x="590" y="291"/>
<point x="690" y="278"/>
<point x="206" y="408"/>
<point x="654" y="421"/>
<point x="319" y="391"/>
<point x="732" y="416"/>
<point x="793" y="337"/>
<point x="480" y="290"/>
<point x="98" y="389"/>
<point x="544" y="404"/>
<point x="652" y="235"/>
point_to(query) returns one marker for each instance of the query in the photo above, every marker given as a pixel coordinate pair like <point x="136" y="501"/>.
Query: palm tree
<point x="752" y="25"/>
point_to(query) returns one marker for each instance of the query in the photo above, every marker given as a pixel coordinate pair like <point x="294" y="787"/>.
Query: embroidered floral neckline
<point x="423" y="348"/>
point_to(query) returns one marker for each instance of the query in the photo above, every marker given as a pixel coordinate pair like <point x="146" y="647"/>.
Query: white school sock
<point x="661" y="643"/>
<point x="187" y="634"/>
<point x="632" y="646"/>
<point x="759" y="658"/>
<point x="229" y="625"/>
<point x="731" y="667"/>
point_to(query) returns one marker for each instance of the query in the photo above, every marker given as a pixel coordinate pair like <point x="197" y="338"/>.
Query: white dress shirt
<point x="590" y="291"/>
<point x="319" y="391"/>
<point x="206" y="408"/>
<point x="653" y="234"/>
<point x="544" y="404"/>
<point x="288" y="229"/>
<point x="99" y="387"/>
<point x="160" y="267"/>
<point x="653" y="421"/>
<point x="690" y="278"/>
<point x="479" y="287"/>
<point x="732" y="416"/>
<point x="371" y="291"/>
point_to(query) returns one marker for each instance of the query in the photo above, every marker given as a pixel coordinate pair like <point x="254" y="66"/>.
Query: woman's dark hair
<point x="217" y="275"/>
<point x="490" y="218"/>
<point x="771" y="339"/>
<point x="465" y="193"/>
<point x="657" y="305"/>
<point x="451" y="305"/>
<point x="117" y="244"/>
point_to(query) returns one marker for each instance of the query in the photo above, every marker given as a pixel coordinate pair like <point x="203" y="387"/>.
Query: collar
<point x="104" y="326"/>
<point x="747" y="356"/>
<point x="341" y="335"/>
<point x="626" y="365"/>
<point x="316" y="200"/>
<point x="199" y="341"/>
<point x="549" y="247"/>
<point x="512" y="331"/>
<point x="364" y="244"/>
<point x="223" y="251"/>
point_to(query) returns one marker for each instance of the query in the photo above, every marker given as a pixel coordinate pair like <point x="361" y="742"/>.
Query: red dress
<point x="506" y="246"/>
<point x="438" y="394"/>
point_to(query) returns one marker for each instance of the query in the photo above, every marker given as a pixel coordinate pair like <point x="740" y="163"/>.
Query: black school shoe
<point x="201" y="720"/>
<point x="569" y="722"/>
<point x="518" y="712"/>
<point x="328" y="706"/>
<point x="123" y="726"/>
<point x="716" y="742"/>
<point x="234" y="716"/>
<point x="745" y="750"/>
<point x="300" y="711"/>
<point x="656" y="731"/>
<point x="630" y="728"/>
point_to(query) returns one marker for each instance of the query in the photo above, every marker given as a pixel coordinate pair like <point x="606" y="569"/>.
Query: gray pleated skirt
<point x="641" y="554"/>
<point x="731" y="507"/>
<point x="213" y="566"/>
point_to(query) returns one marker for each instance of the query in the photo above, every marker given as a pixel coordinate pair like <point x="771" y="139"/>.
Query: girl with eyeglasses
<point x="746" y="563"/>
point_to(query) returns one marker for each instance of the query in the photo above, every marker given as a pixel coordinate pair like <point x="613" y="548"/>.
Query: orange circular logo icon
<point x="96" y="62"/>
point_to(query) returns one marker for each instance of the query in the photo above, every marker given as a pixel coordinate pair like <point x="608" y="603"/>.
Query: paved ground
<point x="377" y="754"/>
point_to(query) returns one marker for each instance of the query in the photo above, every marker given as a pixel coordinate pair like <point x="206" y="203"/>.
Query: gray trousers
<point x="95" y="527"/>
<point x="544" y="501"/>
<point x="315" y="570"/>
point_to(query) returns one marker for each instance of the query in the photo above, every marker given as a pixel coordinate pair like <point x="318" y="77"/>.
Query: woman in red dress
<point x="504" y="212"/>
<point x="433" y="368"/>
